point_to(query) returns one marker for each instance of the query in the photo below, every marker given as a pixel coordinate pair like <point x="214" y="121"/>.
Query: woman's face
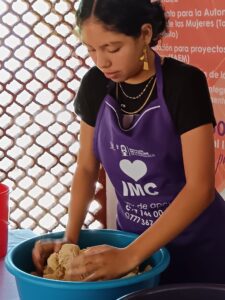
<point x="116" y="55"/>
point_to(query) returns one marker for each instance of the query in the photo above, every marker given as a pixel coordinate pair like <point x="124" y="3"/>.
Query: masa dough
<point x="58" y="263"/>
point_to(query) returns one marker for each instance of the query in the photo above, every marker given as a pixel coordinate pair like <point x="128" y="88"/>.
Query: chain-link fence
<point x="41" y="64"/>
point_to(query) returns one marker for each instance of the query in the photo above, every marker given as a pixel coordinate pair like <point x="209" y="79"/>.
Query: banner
<point x="196" y="36"/>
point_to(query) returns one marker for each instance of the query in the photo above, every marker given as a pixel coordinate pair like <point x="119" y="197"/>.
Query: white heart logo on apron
<point x="135" y="170"/>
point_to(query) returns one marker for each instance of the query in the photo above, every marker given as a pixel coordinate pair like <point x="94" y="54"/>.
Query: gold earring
<point x="144" y="58"/>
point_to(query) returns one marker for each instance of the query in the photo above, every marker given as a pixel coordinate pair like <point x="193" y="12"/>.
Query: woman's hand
<point x="41" y="251"/>
<point x="101" y="263"/>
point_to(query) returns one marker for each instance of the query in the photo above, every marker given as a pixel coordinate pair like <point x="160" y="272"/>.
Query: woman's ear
<point x="146" y="32"/>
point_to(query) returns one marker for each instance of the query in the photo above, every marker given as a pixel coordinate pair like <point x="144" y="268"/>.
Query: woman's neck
<point x="143" y="75"/>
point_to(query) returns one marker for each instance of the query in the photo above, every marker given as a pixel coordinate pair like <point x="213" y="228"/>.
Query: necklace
<point x="141" y="93"/>
<point x="145" y="102"/>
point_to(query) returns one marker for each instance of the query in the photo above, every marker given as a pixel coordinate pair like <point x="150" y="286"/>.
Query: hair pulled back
<point x="125" y="16"/>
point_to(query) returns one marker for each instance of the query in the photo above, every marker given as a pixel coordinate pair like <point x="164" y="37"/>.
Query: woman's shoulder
<point x="92" y="90"/>
<point x="180" y="71"/>
<point x="187" y="95"/>
<point x="94" y="78"/>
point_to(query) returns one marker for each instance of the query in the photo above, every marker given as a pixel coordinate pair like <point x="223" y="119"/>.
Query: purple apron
<point x="145" y="165"/>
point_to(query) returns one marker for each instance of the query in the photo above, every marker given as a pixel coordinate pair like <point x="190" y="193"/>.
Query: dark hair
<point x="126" y="16"/>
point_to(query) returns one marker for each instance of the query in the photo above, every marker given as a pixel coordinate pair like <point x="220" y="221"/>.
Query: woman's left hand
<point x="101" y="262"/>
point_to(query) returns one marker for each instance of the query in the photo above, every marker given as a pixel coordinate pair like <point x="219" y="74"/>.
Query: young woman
<point x="149" y="122"/>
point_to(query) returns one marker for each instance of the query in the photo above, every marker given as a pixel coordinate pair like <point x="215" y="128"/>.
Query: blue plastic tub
<point x="195" y="291"/>
<point x="19" y="263"/>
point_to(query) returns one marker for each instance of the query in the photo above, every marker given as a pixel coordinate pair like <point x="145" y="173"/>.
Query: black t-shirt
<point x="185" y="91"/>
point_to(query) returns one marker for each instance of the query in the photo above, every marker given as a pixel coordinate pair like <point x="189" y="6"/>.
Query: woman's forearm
<point x="82" y="191"/>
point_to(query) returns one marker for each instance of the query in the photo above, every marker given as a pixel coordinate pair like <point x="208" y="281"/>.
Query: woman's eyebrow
<point x="104" y="45"/>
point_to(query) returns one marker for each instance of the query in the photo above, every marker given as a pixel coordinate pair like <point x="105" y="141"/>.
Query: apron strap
<point x="159" y="76"/>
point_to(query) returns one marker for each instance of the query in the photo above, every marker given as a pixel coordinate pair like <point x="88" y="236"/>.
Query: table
<point x="8" y="289"/>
